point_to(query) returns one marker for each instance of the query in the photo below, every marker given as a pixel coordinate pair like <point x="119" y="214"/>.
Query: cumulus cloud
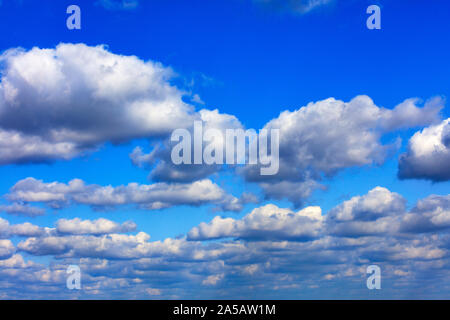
<point x="383" y="213"/>
<point x="429" y="215"/>
<point x="16" y="147"/>
<point x="428" y="154"/>
<point x="375" y="213"/>
<point x="317" y="140"/>
<point x="265" y="223"/>
<point x="7" y="249"/>
<point x="377" y="203"/>
<point x="24" y="230"/>
<point x="116" y="246"/>
<point x="15" y="261"/>
<point x="331" y="135"/>
<point x="58" y="103"/>
<point x="27" y="230"/>
<point x="94" y="227"/>
<point x="66" y="227"/>
<point x="212" y="280"/>
<point x="149" y="197"/>
<point x="380" y="213"/>
<point x="153" y="292"/>
<point x="107" y="246"/>
<point x="4" y="227"/>
<point x="162" y="168"/>
<point x="159" y="160"/>
<point x="22" y="210"/>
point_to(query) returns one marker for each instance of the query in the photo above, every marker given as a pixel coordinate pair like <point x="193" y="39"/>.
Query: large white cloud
<point x="331" y="135"/>
<point x="377" y="203"/>
<point x="265" y="223"/>
<point x="428" y="154"/>
<point x="57" y="103"/>
<point x="24" y="230"/>
<point x="316" y="140"/>
<point x="376" y="213"/>
<point x="7" y="249"/>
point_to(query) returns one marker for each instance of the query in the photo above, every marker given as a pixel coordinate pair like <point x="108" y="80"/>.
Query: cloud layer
<point x="147" y="197"/>
<point x="264" y="223"/>
<point x="277" y="250"/>
<point x="47" y="98"/>
<point x="61" y="103"/>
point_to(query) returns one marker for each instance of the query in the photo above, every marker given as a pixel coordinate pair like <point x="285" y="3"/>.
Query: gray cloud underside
<point x="428" y="154"/>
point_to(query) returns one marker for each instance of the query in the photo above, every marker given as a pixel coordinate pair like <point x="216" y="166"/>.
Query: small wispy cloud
<point x="297" y="6"/>
<point x="117" y="4"/>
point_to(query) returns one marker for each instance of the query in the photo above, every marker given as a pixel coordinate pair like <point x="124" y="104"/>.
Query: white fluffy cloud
<point x="330" y="135"/>
<point x="58" y="103"/>
<point x="375" y="213"/>
<point x="149" y="197"/>
<point x="22" y="210"/>
<point x="116" y="246"/>
<point x="159" y="159"/>
<point x="429" y="215"/>
<point x="24" y="230"/>
<point x="377" y="203"/>
<point x="265" y="223"/>
<point x="94" y="227"/>
<point x="27" y="230"/>
<point x="428" y="154"/>
<point x="66" y="227"/>
<point x="107" y="246"/>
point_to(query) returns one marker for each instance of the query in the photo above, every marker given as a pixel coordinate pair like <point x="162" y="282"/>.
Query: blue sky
<point x="65" y="116"/>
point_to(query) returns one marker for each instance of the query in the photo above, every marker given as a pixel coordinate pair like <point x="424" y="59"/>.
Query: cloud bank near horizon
<point x="271" y="248"/>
